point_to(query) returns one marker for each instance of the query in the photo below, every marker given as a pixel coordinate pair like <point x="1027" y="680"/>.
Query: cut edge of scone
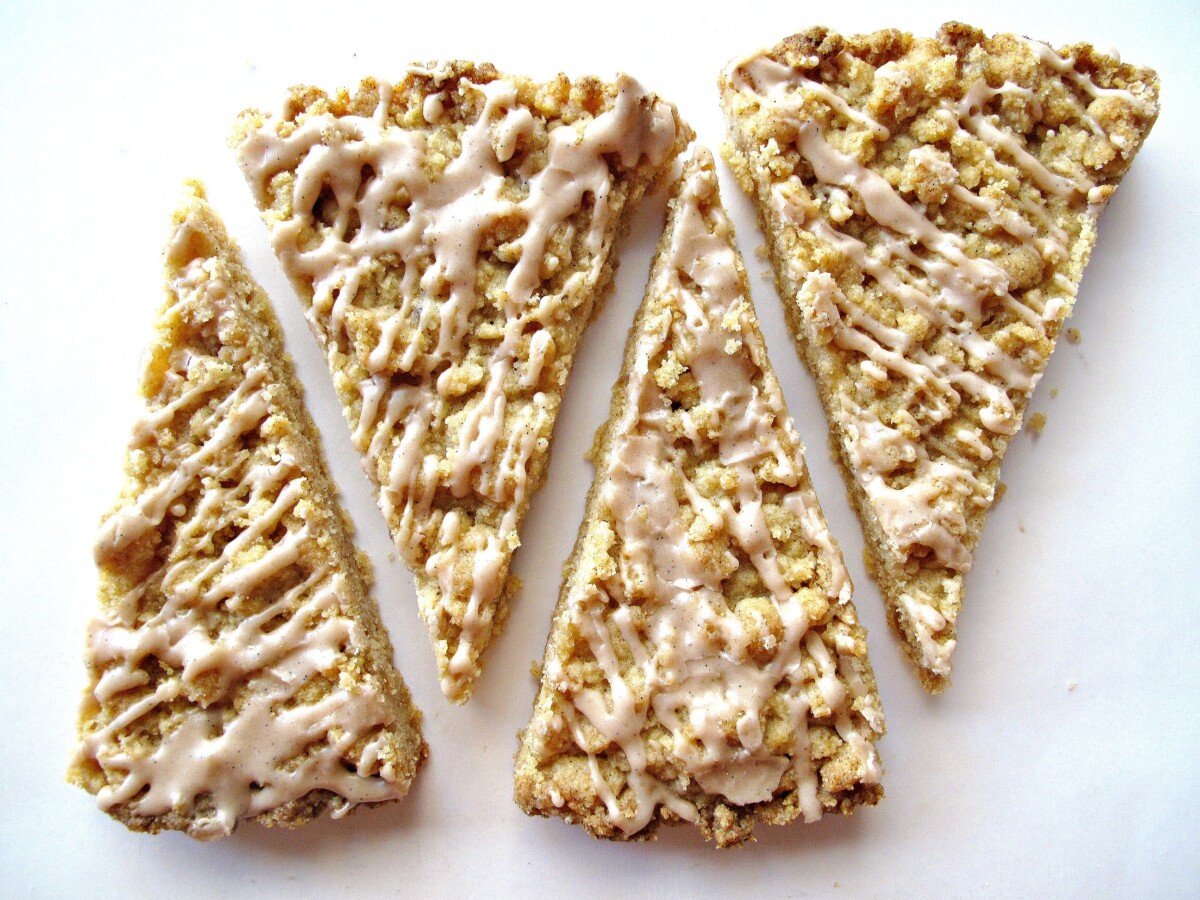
<point x="835" y="102"/>
<point x="591" y="715"/>
<point x="204" y="662"/>
<point x="472" y="346"/>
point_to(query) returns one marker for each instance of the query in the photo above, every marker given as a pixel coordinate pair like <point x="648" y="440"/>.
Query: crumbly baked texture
<point x="238" y="667"/>
<point x="451" y="236"/>
<point x="705" y="661"/>
<point x="929" y="206"/>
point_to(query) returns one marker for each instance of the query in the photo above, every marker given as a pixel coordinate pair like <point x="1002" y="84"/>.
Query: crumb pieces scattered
<point x="1073" y="335"/>
<point x="1071" y="685"/>
<point x="1053" y="393"/>
<point x="1036" y="423"/>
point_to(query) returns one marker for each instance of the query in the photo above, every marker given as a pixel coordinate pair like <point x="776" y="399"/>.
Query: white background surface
<point x="1010" y="783"/>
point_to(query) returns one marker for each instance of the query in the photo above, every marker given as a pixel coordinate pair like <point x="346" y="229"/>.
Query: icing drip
<point x="958" y="345"/>
<point x="927" y="622"/>
<point x="217" y="676"/>
<point x="676" y="652"/>
<point x="437" y="419"/>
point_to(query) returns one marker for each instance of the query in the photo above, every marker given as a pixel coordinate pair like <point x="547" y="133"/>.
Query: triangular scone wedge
<point x="451" y="236"/>
<point x="238" y="666"/>
<point x="705" y="662"/>
<point x="929" y="205"/>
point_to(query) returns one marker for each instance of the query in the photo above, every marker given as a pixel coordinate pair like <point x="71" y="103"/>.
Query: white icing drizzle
<point x="690" y="666"/>
<point x="920" y="484"/>
<point x="926" y="623"/>
<point x="411" y="359"/>
<point x="1065" y="65"/>
<point x="237" y="727"/>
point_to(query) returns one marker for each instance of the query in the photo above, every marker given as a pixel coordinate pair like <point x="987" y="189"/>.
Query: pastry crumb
<point x="227" y="658"/>
<point x="465" y="267"/>
<point x="662" y="549"/>
<point x="928" y="210"/>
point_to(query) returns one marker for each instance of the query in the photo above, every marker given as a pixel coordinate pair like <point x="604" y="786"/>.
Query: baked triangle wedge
<point x="238" y="667"/>
<point x="705" y="662"/>
<point x="929" y="206"/>
<point x="451" y="236"/>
